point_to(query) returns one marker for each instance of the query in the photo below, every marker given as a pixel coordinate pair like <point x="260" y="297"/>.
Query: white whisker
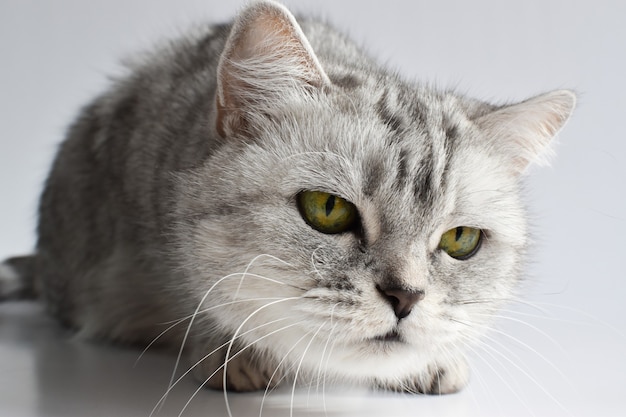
<point x="223" y="366"/>
<point x="245" y="272"/>
<point x="186" y="336"/>
<point x="332" y="347"/>
<point x="295" y="379"/>
<point x="232" y="341"/>
<point x="488" y="363"/>
<point x="514" y="355"/>
<point x="143" y="352"/>
<point x="267" y="388"/>
<point x="525" y="373"/>
<point x="174" y="323"/>
<point x="313" y="263"/>
<point x="535" y="328"/>
<point x="330" y="335"/>
<point x="197" y="311"/>
<point x="596" y="319"/>
<point x="530" y="348"/>
<point x="191" y="368"/>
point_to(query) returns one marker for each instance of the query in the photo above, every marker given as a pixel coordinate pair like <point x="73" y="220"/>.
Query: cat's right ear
<point x="522" y="132"/>
<point x="266" y="61"/>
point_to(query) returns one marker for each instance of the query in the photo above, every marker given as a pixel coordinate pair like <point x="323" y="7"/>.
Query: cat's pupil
<point x="330" y="205"/>
<point x="459" y="233"/>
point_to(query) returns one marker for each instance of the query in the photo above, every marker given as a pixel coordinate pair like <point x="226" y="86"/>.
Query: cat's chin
<point x="390" y="337"/>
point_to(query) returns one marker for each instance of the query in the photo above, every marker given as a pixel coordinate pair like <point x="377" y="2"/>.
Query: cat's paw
<point x="447" y="379"/>
<point x="244" y="371"/>
<point x="438" y="380"/>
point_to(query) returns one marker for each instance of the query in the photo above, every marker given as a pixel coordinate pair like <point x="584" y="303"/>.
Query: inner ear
<point x="266" y="60"/>
<point x="522" y="132"/>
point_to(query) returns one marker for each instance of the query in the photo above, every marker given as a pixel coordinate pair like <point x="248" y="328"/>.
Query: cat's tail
<point x="17" y="278"/>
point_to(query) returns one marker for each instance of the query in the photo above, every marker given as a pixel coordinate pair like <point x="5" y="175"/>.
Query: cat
<point x="265" y="197"/>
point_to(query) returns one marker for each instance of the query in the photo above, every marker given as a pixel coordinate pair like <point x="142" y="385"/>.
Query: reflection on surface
<point x="45" y="372"/>
<point x="54" y="375"/>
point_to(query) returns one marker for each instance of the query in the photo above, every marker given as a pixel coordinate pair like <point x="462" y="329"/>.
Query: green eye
<point x="461" y="242"/>
<point x="327" y="213"/>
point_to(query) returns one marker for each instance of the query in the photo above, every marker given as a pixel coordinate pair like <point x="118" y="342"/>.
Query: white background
<point x="560" y="352"/>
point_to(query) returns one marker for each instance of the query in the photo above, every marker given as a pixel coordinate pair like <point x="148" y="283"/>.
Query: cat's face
<point x="409" y="182"/>
<point x="414" y="166"/>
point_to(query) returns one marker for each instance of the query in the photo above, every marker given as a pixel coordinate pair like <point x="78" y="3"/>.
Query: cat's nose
<point x="402" y="300"/>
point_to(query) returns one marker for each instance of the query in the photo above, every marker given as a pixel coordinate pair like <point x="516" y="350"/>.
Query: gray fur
<point x="182" y="178"/>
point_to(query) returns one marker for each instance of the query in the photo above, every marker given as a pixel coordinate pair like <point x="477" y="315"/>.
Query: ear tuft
<point x="266" y="60"/>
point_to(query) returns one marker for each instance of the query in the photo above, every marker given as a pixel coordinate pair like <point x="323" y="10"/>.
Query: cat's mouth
<point x="390" y="337"/>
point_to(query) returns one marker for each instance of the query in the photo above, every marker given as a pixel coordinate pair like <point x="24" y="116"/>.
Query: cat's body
<point x="184" y="181"/>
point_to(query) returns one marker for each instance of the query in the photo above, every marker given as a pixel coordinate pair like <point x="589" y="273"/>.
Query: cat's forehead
<point x="393" y="148"/>
<point x="409" y="137"/>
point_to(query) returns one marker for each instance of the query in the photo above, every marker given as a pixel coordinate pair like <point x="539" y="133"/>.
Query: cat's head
<point x="353" y="222"/>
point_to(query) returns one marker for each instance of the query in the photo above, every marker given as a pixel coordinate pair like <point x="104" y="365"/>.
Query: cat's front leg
<point x="448" y="378"/>
<point x="245" y="370"/>
<point x="439" y="379"/>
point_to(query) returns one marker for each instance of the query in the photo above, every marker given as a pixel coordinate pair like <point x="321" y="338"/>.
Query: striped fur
<point x="173" y="196"/>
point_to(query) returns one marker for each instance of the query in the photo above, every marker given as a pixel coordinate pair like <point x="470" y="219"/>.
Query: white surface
<point x="547" y="367"/>
<point x="568" y="359"/>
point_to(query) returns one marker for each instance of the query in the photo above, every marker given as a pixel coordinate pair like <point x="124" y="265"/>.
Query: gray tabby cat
<point x="288" y="209"/>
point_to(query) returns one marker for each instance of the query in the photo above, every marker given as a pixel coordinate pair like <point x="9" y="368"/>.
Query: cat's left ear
<point x="266" y="62"/>
<point x="523" y="131"/>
